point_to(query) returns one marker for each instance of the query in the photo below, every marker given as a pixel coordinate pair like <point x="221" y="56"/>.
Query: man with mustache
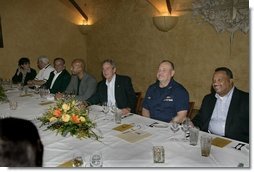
<point x="225" y="111"/>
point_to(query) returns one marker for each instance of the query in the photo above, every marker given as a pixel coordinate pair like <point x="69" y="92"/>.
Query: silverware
<point x="127" y="115"/>
<point x="152" y="125"/>
<point x="239" y="146"/>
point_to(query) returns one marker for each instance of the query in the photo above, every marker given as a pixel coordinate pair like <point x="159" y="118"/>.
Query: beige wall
<point x="122" y="30"/>
<point x="34" y="27"/>
<point x="127" y="35"/>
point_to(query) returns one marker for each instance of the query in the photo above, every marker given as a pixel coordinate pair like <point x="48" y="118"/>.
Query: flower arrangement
<point x="3" y="96"/>
<point x="69" y="116"/>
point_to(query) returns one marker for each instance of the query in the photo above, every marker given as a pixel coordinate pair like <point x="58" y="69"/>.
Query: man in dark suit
<point x="58" y="79"/>
<point x="225" y="112"/>
<point x="114" y="88"/>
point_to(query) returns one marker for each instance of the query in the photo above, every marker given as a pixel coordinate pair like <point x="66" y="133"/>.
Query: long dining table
<point x="117" y="151"/>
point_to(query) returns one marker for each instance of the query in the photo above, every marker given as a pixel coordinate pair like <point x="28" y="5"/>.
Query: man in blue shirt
<point x="166" y="99"/>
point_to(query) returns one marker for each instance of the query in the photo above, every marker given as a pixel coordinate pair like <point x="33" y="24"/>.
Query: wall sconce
<point x="165" y="23"/>
<point x="85" y="28"/>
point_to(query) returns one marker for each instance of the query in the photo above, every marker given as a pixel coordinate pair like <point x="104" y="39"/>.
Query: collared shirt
<point x="54" y="79"/>
<point x="220" y="112"/>
<point x="44" y="73"/>
<point x="164" y="103"/>
<point x="111" y="91"/>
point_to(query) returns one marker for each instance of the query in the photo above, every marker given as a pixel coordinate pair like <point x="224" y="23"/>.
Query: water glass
<point x="118" y="116"/>
<point x="174" y="127"/>
<point x="77" y="160"/>
<point x="205" y="145"/>
<point x="194" y="132"/>
<point x="13" y="104"/>
<point x="96" y="160"/>
<point x="158" y="154"/>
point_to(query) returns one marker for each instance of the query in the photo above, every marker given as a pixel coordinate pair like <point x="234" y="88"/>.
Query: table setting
<point x="131" y="142"/>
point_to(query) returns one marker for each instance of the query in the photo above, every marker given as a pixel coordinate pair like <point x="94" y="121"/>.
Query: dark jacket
<point x="124" y="93"/>
<point x="237" y="122"/>
<point x="60" y="83"/>
<point x="29" y="76"/>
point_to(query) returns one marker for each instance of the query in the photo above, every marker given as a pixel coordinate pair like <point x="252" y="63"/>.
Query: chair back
<point x="138" y="103"/>
<point x="191" y="106"/>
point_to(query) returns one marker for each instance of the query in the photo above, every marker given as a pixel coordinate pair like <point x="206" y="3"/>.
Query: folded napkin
<point x="220" y="142"/>
<point x="123" y="127"/>
<point x="25" y="95"/>
<point x="66" y="164"/>
<point x="46" y="103"/>
<point x="134" y="136"/>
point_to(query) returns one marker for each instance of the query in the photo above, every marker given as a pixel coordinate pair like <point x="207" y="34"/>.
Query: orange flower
<point x="57" y="113"/>
<point x="75" y="118"/>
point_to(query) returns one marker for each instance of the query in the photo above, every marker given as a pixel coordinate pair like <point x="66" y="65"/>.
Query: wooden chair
<point x="138" y="102"/>
<point x="191" y="106"/>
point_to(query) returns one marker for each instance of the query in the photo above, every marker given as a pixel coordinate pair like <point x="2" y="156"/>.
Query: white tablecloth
<point x="116" y="151"/>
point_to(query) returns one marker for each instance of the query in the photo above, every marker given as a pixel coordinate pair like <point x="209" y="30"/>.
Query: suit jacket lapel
<point x="210" y="109"/>
<point x="117" y="86"/>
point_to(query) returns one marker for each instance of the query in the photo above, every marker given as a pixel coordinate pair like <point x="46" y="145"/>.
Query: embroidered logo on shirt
<point x="168" y="99"/>
<point x="149" y="97"/>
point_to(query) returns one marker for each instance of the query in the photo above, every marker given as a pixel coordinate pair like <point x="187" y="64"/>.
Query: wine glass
<point x="174" y="127"/>
<point x="77" y="160"/>
<point x="96" y="159"/>
<point x="186" y="125"/>
<point x="105" y="109"/>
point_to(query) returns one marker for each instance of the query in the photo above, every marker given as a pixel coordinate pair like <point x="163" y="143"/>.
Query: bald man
<point x="82" y="85"/>
<point x="166" y="99"/>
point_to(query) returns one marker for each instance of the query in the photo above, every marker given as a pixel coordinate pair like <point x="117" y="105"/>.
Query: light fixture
<point x="85" y="27"/>
<point x="165" y="23"/>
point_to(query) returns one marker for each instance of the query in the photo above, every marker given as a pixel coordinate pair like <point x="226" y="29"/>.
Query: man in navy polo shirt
<point x="166" y="99"/>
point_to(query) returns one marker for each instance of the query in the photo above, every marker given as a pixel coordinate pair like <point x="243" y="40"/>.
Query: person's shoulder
<point x="178" y="86"/>
<point x="90" y="77"/>
<point x="153" y="85"/>
<point x="242" y="93"/>
<point x="33" y="70"/>
<point x="103" y="81"/>
<point x="122" y="77"/>
<point x="65" y="72"/>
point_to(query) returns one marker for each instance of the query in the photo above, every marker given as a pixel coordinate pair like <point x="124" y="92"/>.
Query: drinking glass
<point x="118" y="116"/>
<point x="158" y="154"/>
<point x="205" y="145"/>
<point x="13" y="104"/>
<point x="105" y="109"/>
<point x="185" y="127"/>
<point x="77" y="160"/>
<point x="174" y="127"/>
<point x="194" y="132"/>
<point x="96" y="159"/>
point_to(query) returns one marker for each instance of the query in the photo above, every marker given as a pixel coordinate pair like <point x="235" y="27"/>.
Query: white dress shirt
<point x="44" y="73"/>
<point x="55" y="77"/>
<point x="220" y="112"/>
<point x="111" y="91"/>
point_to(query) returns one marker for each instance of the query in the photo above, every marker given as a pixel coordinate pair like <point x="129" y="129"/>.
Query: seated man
<point x="24" y="72"/>
<point x="115" y="88"/>
<point x="82" y="85"/>
<point x="43" y="75"/>
<point x="20" y="144"/>
<point x="58" y="79"/>
<point x="166" y="99"/>
<point x="225" y="112"/>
